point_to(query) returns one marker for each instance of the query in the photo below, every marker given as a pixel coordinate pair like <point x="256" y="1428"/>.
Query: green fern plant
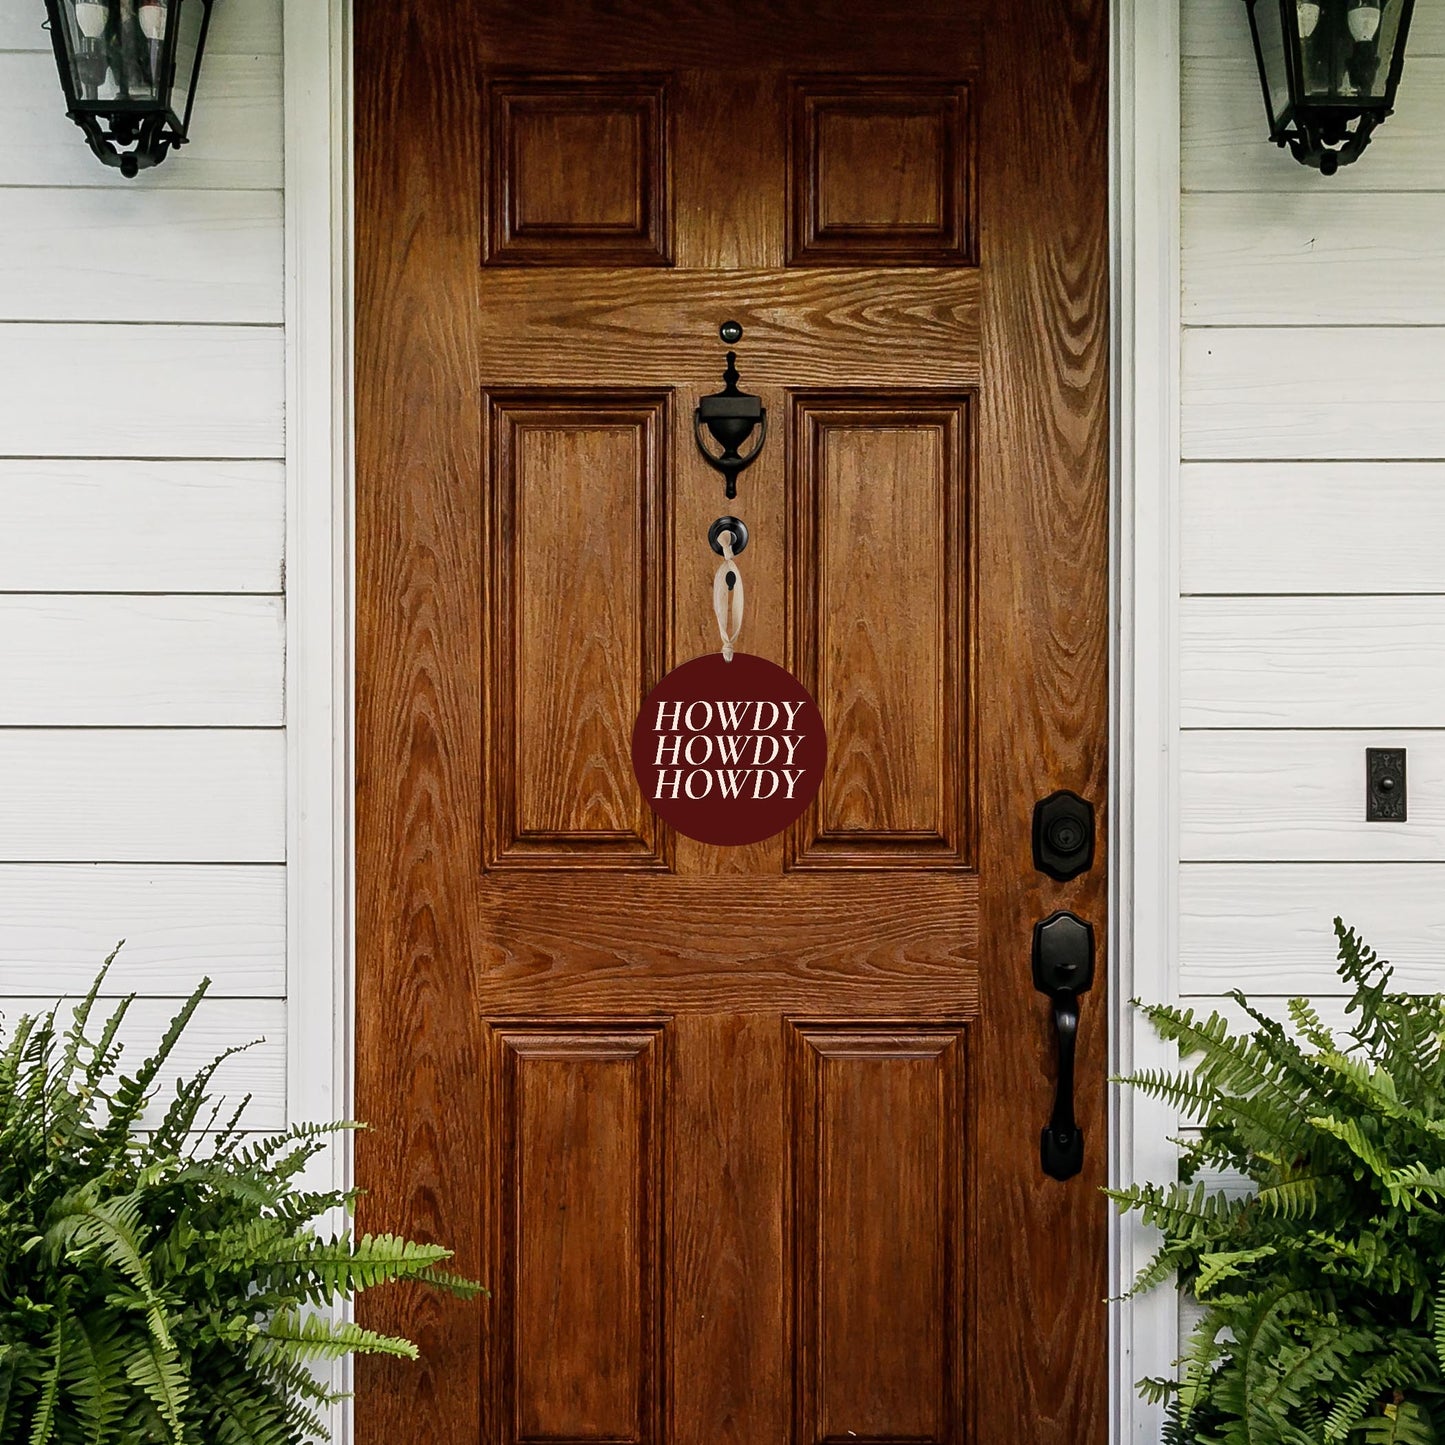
<point x="164" y="1282"/>
<point x="1322" y="1284"/>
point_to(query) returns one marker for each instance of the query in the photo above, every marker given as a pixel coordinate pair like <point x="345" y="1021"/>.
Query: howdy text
<point x="742" y="741"/>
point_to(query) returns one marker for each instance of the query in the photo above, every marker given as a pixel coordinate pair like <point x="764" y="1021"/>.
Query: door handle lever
<point x="1063" y="963"/>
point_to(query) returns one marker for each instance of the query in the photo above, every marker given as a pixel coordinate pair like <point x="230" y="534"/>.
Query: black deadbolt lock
<point x="1063" y="835"/>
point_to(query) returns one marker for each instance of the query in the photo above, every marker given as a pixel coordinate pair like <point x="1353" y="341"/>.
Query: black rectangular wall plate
<point x="1385" y="800"/>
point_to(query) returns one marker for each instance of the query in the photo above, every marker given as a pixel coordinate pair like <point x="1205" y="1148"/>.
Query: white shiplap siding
<point x="142" y="523"/>
<point x="1312" y="515"/>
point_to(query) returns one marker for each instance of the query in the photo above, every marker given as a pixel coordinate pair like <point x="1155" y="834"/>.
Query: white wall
<point x="1311" y="527"/>
<point x="142" y="525"/>
<point x="1309" y="522"/>
<point x="1280" y="425"/>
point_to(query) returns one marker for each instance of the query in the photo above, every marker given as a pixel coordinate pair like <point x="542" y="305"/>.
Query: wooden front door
<point x="745" y="1142"/>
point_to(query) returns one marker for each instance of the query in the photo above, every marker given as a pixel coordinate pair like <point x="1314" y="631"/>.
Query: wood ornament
<point x="729" y="752"/>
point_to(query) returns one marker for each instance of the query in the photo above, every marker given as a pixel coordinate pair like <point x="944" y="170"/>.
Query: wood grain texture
<point x="730" y="1360"/>
<point x="559" y="727"/>
<point x="84" y="661"/>
<point x="1225" y="144"/>
<point x="1293" y="393"/>
<point x="1041" y="680"/>
<point x="224" y="391"/>
<point x="1300" y="797"/>
<point x="188" y="526"/>
<point x="98" y="255"/>
<point x="804" y="328"/>
<point x="796" y="945"/>
<point x="91" y="795"/>
<point x="1312" y="662"/>
<point x="735" y="187"/>
<point x="579" y="1220"/>
<point x="445" y="944"/>
<point x="218" y="1024"/>
<point x="421" y="599"/>
<point x="578" y="171"/>
<point x="1221" y="28"/>
<point x="180" y="924"/>
<point x="879" y="1232"/>
<point x="235" y="139"/>
<point x="890" y="39"/>
<point x="1269" y="260"/>
<point x="1326" y="527"/>
<point x="1268" y="929"/>
<point x="880" y="172"/>
<point x="882" y="630"/>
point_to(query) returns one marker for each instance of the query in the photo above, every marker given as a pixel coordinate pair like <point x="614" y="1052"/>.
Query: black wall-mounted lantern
<point x="129" y="68"/>
<point x="1330" y="69"/>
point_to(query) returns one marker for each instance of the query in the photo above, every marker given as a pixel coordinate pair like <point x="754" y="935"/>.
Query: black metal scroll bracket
<point x="731" y="416"/>
<point x="1063" y="968"/>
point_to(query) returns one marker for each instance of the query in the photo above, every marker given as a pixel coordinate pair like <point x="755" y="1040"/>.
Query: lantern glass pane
<point x="1268" y="17"/>
<point x="1346" y="59"/>
<point x="90" y="35"/>
<point x="192" y="22"/>
<point x="117" y="51"/>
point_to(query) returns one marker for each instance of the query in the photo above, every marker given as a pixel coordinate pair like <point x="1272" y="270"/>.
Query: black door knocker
<point x="731" y="415"/>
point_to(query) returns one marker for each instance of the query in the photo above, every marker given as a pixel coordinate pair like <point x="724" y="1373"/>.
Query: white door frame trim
<point x="316" y="92"/>
<point x="1144" y="265"/>
<point x="318" y="562"/>
<point x="1144" y="848"/>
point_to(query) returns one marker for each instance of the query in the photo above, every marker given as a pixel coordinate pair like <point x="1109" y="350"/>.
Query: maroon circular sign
<point x="729" y="752"/>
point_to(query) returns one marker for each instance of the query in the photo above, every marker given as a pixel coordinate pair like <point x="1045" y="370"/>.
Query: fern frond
<point x="132" y="1094"/>
<point x="157" y="1371"/>
<point x="1357" y="1401"/>
<point x="1227" y="1264"/>
<point x="313" y="1337"/>
<point x="1292" y="1199"/>
<point x="1403" y="1423"/>
<point x="42" y="1426"/>
<point x="94" y="1373"/>
<point x="245" y="1415"/>
<point x="114" y="1228"/>
<point x="1310" y="1025"/>
<point x="180" y="1118"/>
<point x="1352" y="1136"/>
<point x="1183" y="1091"/>
<point x="1177" y="1208"/>
<point x="348" y="1265"/>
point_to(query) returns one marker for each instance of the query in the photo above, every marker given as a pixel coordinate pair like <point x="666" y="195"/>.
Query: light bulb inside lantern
<point x="91" y="17"/>
<point x="1364" y="22"/>
<point x="1309" y="16"/>
<point x="153" y="19"/>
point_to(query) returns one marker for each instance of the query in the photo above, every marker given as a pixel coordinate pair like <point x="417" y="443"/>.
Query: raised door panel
<point x="880" y="574"/>
<point x="879" y="1233"/>
<point x="578" y="172"/>
<point x="576" y="1338"/>
<point x="576" y="493"/>
<point x="880" y="173"/>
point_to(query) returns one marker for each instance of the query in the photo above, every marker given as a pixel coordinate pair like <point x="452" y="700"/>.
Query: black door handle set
<point x="1063" y="966"/>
